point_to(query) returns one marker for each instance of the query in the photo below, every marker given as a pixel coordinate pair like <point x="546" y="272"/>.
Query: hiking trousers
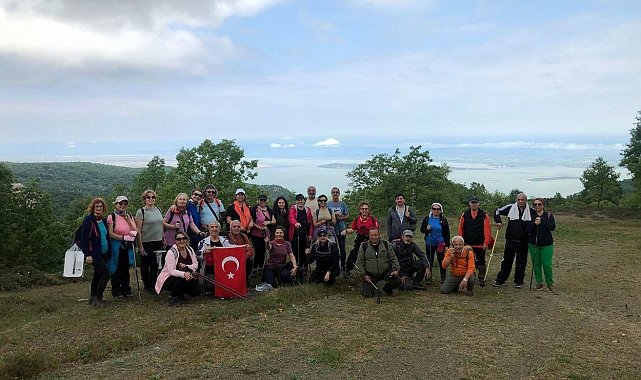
<point x="542" y="258"/>
<point x="513" y="250"/>
<point x="452" y="283"/>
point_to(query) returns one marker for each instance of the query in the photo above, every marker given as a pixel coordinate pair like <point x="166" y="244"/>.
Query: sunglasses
<point x="181" y="238"/>
<point x="123" y="203"/>
<point x="537" y="204"/>
<point x="335" y="192"/>
<point x="322" y="235"/>
<point x="436" y="209"/>
<point x="322" y="201"/>
<point x="150" y="197"/>
<point x="210" y="191"/>
<point x="364" y="208"/>
<point x="197" y="194"/>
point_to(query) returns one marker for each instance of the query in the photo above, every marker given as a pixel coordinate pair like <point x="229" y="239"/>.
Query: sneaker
<point x="538" y="286"/>
<point x="518" y="285"/>
<point x="551" y="288"/>
<point x="128" y="295"/>
<point x="419" y="286"/>
<point x="498" y="284"/>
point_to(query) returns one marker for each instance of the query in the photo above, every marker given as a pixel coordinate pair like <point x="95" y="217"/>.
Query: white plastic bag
<point x="74" y="262"/>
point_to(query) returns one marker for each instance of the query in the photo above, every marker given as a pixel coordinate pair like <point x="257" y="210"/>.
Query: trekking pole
<point x="217" y="283"/>
<point x="137" y="279"/>
<point x="297" y="254"/>
<point x="378" y="298"/>
<point x="536" y="241"/>
<point x="496" y="239"/>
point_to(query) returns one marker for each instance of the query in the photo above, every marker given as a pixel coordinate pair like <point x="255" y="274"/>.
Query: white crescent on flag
<point x="232" y="259"/>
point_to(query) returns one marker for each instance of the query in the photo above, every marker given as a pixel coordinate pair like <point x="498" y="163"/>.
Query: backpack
<point x="76" y="235"/>
<point x="142" y="209"/>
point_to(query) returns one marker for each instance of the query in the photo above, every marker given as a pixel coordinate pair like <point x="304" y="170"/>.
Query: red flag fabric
<point x="229" y="272"/>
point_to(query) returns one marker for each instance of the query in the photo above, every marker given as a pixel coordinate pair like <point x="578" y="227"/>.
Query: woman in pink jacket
<point x="177" y="274"/>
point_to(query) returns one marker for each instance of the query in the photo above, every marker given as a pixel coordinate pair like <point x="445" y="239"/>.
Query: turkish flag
<point x="229" y="272"/>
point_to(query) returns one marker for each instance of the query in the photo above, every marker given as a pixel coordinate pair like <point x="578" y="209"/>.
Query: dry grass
<point x="590" y="329"/>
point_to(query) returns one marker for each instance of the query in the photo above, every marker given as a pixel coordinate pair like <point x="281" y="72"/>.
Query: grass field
<point x="591" y="329"/>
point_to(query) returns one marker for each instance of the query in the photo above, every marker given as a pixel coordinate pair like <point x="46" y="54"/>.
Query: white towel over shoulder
<point x="514" y="213"/>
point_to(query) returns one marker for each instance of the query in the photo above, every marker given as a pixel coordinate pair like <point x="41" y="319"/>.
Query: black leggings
<point x="100" y="278"/>
<point x="148" y="264"/>
<point x="178" y="287"/>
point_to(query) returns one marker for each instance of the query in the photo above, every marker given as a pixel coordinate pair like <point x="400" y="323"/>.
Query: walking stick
<point x="378" y="298"/>
<point x="216" y="283"/>
<point x="137" y="279"/>
<point x="536" y="240"/>
<point x="496" y="239"/>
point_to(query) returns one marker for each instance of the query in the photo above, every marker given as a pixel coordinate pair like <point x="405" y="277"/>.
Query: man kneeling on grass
<point x="414" y="263"/>
<point x="377" y="263"/>
<point x="461" y="275"/>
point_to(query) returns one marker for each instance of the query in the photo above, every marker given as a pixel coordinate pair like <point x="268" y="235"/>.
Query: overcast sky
<point x="318" y="73"/>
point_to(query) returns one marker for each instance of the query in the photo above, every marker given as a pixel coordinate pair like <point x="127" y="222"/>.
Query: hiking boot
<point x="253" y="273"/>
<point x="551" y="288"/>
<point x="538" y="286"/>
<point x="419" y="286"/>
<point x="98" y="302"/>
<point x="174" y="301"/>
<point x="388" y="290"/>
<point x="128" y="295"/>
<point x="469" y="292"/>
<point x="518" y="285"/>
<point x="91" y="300"/>
<point x="498" y="284"/>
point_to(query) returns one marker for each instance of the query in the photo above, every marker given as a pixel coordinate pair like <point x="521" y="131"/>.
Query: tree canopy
<point x="632" y="157"/>
<point x="221" y="164"/>
<point x="380" y="178"/>
<point x="600" y="183"/>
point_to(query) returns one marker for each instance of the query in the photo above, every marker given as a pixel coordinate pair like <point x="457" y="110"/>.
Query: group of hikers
<point x="282" y="242"/>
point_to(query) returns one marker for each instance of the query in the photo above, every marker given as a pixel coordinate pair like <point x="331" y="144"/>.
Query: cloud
<point x="277" y="145"/>
<point x="328" y="142"/>
<point x="71" y="144"/>
<point x="139" y="35"/>
<point x="394" y="4"/>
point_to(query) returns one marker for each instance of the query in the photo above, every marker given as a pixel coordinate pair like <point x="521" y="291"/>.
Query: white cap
<point x="238" y="191"/>
<point x="121" y="198"/>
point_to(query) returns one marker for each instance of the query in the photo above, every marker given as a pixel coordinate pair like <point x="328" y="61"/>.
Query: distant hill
<point x="66" y="181"/>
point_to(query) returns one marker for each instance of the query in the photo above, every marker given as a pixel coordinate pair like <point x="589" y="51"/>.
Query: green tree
<point x="380" y="178"/>
<point x="632" y="159"/>
<point x="222" y="164"/>
<point x="152" y="177"/>
<point x="34" y="237"/>
<point x="600" y="183"/>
